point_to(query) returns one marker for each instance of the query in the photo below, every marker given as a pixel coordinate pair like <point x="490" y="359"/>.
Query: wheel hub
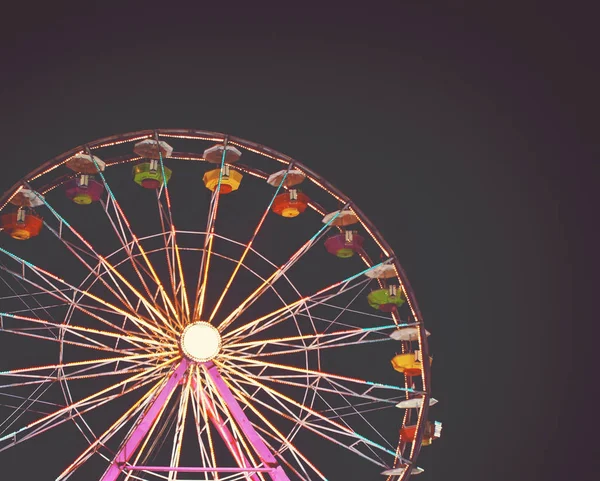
<point x="200" y="341"/>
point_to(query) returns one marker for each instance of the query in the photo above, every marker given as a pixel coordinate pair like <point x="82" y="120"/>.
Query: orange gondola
<point x="22" y="224"/>
<point x="432" y="431"/>
<point x="290" y="204"/>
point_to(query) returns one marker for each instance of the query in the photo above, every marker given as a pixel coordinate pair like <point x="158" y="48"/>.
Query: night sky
<point x="464" y="134"/>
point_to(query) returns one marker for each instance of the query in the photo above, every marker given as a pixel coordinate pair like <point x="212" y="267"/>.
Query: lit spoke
<point x="276" y="275"/>
<point x="330" y="425"/>
<point x="248" y="401"/>
<point x="316" y="341"/>
<point x="109" y="433"/>
<point x="110" y="269"/>
<point x="249" y="326"/>
<point x="46" y="275"/>
<point x="180" y="425"/>
<point x="248" y="246"/>
<point x="208" y="240"/>
<point x="123" y="220"/>
<point x="305" y="372"/>
<point x="236" y="443"/>
<point x="134" y="340"/>
<point x="30" y="372"/>
<point x="85" y="405"/>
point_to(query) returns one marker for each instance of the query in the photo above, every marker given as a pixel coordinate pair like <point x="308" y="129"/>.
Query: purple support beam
<point x="144" y="424"/>
<point x="244" y="424"/>
<point x="227" y="436"/>
<point x="184" y="469"/>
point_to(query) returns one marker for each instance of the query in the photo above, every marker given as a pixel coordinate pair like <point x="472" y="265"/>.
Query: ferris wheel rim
<point x="262" y="150"/>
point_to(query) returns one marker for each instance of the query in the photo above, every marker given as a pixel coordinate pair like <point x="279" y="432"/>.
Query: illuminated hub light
<point x="200" y="341"/>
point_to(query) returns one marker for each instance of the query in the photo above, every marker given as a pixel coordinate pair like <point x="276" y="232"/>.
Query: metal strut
<point x="149" y="417"/>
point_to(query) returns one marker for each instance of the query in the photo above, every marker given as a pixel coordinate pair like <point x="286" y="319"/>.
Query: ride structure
<point x="246" y="336"/>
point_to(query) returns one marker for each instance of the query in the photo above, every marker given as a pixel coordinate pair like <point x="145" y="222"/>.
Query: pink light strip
<point x="183" y="469"/>
<point x="266" y="456"/>
<point x="226" y="434"/>
<point x="145" y="423"/>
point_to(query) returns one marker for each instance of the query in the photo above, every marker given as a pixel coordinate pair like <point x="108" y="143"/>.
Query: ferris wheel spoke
<point x="257" y="351"/>
<point x="168" y="236"/>
<point x="147" y="419"/>
<point x="279" y="315"/>
<point x="310" y="373"/>
<point x="236" y="413"/>
<point x="300" y="464"/>
<point x="281" y="271"/>
<point x="204" y="408"/>
<point x="100" y="441"/>
<point x="232" y="437"/>
<point x="174" y="268"/>
<point x="110" y="269"/>
<point x="26" y="298"/>
<point x="166" y="218"/>
<point x="27" y="399"/>
<point x="47" y="331"/>
<point x="248" y="245"/>
<point x="80" y="332"/>
<point x="140" y="268"/>
<point x="80" y="407"/>
<point x="327" y="433"/>
<point x="33" y="400"/>
<point x="95" y="271"/>
<point x="369" y="401"/>
<point x="208" y="239"/>
<point x="312" y="341"/>
<point x="80" y="367"/>
<point x="148" y="446"/>
<point x="300" y="309"/>
<point x="201" y="422"/>
<point x="71" y="303"/>
<point x="181" y="286"/>
<point x="180" y="425"/>
<point x="212" y="406"/>
<point x="272" y="431"/>
<point x="124" y="221"/>
<point x="315" y="421"/>
<point x="46" y="276"/>
<point x="54" y="338"/>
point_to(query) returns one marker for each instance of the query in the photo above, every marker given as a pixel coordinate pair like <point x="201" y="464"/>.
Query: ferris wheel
<point x="184" y="304"/>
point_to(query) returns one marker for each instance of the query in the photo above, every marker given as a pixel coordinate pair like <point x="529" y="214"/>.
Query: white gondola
<point x="27" y="198"/>
<point x="148" y="149"/>
<point x="341" y="217"/>
<point x="408" y="333"/>
<point x="381" y="272"/>
<point x="214" y="154"/>
<point x="293" y="177"/>
<point x="85" y="164"/>
<point x="398" y="471"/>
<point x="415" y="403"/>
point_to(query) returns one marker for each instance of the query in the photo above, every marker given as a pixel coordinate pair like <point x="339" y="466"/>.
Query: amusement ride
<point x="187" y="304"/>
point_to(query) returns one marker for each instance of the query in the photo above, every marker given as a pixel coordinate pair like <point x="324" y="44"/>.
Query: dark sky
<point x="465" y="135"/>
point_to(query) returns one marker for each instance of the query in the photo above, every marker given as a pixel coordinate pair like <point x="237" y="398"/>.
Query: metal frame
<point x="152" y="313"/>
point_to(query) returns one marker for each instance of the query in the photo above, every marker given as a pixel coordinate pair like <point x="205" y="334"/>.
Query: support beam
<point x="226" y="435"/>
<point x="145" y="422"/>
<point x="244" y="424"/>
<point x="183" y="469"/>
